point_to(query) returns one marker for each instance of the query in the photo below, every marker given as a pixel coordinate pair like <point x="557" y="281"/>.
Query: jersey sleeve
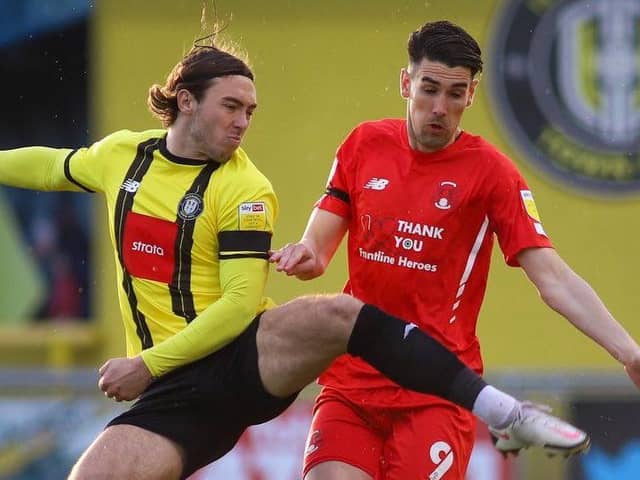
<point x="44" y="168"/>
<point x="219" y="324"/>
<point x="336" y="198"/>
<point x="513" y="214"/>
<point x="85" y="167"/>
<point x="245" y="226"/>
<point x="245" y="222"/>
<point x="36" y="168"/>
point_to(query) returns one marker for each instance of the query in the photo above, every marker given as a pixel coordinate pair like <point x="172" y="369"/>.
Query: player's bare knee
<point x="127" y="451"/>
<point x="340" y="313"/>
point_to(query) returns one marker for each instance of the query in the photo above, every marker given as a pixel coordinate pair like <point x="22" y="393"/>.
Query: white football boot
<point x="535" y="427"/>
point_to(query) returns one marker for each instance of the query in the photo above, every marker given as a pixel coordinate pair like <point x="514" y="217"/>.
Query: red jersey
<point x="421" y="231"/>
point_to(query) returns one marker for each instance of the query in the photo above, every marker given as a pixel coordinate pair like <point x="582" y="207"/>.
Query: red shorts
<point x="427" y="442"/>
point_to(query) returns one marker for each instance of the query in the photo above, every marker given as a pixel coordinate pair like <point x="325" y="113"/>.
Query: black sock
<point x="412" y="358"/>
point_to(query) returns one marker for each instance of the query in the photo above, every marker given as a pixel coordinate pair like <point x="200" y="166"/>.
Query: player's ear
<point x="472" y="91"/>
<point x="405" y="83"/>
<point x="185" y="100"/>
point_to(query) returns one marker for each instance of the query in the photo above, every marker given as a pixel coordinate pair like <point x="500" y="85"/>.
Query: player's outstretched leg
<point x="299" y="339"/>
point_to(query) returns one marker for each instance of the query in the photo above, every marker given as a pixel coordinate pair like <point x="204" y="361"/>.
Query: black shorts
<point x="205" y="406"/>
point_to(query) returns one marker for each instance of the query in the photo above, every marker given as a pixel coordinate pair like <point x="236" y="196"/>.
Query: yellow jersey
<point x="190" y="237"/>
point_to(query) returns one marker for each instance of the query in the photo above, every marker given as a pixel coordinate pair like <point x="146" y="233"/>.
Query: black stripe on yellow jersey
<point x="180" y="287"/>
<point x="67" y="173"/>
<point x="124" y="203"/>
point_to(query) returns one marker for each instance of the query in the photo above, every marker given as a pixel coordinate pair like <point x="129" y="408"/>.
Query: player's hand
<point x="294" y="259"/>
<point x="633" y="370"/>
<point x="124" y="378"/>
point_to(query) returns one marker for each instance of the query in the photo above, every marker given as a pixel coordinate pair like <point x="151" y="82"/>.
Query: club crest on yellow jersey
<point x="190" y="206"/>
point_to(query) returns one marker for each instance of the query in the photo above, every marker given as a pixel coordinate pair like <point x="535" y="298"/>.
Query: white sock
<point x="494" y="407"/>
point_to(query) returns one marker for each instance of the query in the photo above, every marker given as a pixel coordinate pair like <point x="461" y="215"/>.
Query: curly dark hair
<point x="195" y="73"/>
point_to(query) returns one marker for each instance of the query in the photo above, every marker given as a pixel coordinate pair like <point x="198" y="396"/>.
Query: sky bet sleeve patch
<point x="532" y="210"/>
<point x="252" y="216"/>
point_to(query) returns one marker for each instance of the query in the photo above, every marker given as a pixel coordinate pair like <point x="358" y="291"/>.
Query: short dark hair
<point x="195" y="73"/>
<point x="445" y="42"/>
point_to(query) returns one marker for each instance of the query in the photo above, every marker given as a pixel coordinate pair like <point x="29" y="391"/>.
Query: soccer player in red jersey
<point x="421" y="200"/>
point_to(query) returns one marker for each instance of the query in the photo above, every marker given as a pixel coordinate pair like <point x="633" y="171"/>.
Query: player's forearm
<point x="36" y="168"/>
<point x="574" y="298"/>
<point x="322" y="236"/>
<point x="217" y="325"/>
<point x="316" y="266"/>
<point x="568" y="294"/>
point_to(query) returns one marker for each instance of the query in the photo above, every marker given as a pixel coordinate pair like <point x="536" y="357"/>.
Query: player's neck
<point x="180" y="145"/>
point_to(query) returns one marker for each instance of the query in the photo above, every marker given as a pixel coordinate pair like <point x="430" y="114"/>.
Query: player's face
<point x="221" y="118"/>
<point x="437" y="96"/>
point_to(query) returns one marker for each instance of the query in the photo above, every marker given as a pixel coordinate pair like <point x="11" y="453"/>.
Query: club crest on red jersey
<point x="446" y="195"/>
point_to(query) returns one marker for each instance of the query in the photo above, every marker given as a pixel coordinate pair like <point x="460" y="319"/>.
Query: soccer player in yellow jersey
<point x="191" y="220"/>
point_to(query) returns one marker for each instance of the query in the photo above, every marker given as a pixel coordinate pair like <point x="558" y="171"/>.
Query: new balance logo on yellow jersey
<point x="130" y="186"/>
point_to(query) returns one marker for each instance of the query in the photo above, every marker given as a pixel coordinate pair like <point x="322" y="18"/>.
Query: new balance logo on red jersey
<point x="377" y="184"/>
<point x="130" y="186"/>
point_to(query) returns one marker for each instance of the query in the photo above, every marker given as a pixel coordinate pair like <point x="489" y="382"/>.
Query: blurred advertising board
<point x="615" y="431"/>
<point x="41" y="437"/>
